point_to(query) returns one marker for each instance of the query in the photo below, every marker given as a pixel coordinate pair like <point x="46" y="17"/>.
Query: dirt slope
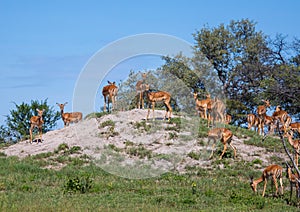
<point x="124" y="144"/>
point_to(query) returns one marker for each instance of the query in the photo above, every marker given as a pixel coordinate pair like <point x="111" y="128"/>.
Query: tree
<point x="251" y="66"/>
<point x="18" y="121"/>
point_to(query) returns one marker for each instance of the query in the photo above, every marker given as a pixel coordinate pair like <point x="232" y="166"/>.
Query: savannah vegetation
<point x="235" y="60"/>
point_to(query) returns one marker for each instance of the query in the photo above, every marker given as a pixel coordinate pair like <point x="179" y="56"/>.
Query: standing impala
<point x="274" y="171"/>
<point x="293" y="178"/>
<point x="253" y="121"/>
<point x="226" y="137"/>
<point x="261" y="113"/>
<point x="294" y="143"/>
<point x="217" y="111"/>
<point x="69" y="117"/>
<point x="140" y="89"/>
<point x="109" y="93"/>
<point x="37" y="121"/>
<point x="282" y="116"/>
<point x="203" y="105"/>
<point x="158" y="96"/>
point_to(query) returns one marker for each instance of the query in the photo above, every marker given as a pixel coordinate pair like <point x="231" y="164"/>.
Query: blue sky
<point x="44" y="45"/>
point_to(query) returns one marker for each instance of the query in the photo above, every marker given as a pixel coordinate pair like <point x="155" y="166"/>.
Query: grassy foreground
<point x="26" y="186"/>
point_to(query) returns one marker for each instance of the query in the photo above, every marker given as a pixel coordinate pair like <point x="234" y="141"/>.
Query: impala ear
<point x="65" y="103"/>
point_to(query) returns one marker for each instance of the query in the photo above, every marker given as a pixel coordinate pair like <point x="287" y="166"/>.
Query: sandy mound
<point x="125" y="144"/>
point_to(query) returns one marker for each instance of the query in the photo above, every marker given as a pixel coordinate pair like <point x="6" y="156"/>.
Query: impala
<point x="109" y="93"/>
<point x="295" y="126"/>
<point x="158" y="96"/>
<point x="274" y="171"/>
<point x="293" y="178"/>
<point x="294" y="143"/>
<point x="218" y="111"/>
<point x="253" y="121"/>
<point x="68" y="118"/>
<point x="261" y="113"/>
<point x="225" y="136"/>
<point x="140" y="89"/>
<point x="228" y="119"/>
<point x="37" y="121"/>
<point x="269" y="121"/>
<point x="203" y="105"/>
<point x="281" y="116"/>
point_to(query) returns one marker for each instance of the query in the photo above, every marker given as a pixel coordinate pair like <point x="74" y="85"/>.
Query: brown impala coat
<point x="36" y="121"/>
<point x="109" y="93"/>
<point x="159" y="96"/>
<point x="274" y="171"/>
<point x="69" y="117"/>
<point x="225" y="136"/>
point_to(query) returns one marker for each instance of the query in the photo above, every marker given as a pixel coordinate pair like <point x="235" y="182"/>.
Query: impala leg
<point x="113" y="103"/>
<point x="281" y="186"/>
<point x="212" y="150"/>
<point x="41" y="133"/>
<point x="30" y="132"/>
<point x="276" y="185"/>
<point x="142" y="99"/>
<point x="224" y="150"/>
<point x="104" y="106"/>
<point x="296" y="157"/>
<point x="153" y="106"/>
<point x="234" y="149"/>
<point x="265" y="186"/>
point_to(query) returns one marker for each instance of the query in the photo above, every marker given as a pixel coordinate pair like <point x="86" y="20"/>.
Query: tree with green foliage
<point x="18" y="121"/>
<point x="250" y="65"/>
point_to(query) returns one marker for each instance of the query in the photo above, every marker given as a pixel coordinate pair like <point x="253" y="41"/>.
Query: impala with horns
<point x="273" y="171"/>
<point x="109" y="93"/>
<point x="68" y="118"/>
<point x="37" y="122"/>
<point x="158" y="96"/>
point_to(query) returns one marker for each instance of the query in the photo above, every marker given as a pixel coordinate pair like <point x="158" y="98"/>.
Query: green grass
<point x="86" y="188"/>
<point x="26" y="185"/>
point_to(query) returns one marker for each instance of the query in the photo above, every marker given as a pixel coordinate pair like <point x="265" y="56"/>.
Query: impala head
<point x="195" y="95"/>
<point x="40" y="112"/>
<point x="147" y="87"/>
<point x="144" y="76"/>
<point x="207" y="96"/>
<point x="111" y="83"/>
<point x="278" y="108"/>
<point x="253" y="185"/>
<point x="267" y="103"/>
<point x="62" y="106"/>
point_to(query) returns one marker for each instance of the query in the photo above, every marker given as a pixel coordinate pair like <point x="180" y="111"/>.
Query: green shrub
<point x="107" y="123"/>
<point x="82" y="185"/>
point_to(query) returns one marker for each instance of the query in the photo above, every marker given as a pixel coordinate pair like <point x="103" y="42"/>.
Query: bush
<point x="82" y="185"/>
<point x="18" y="121"/>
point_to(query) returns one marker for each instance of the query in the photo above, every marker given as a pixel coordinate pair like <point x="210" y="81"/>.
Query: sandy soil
<point x="130" y="149"/>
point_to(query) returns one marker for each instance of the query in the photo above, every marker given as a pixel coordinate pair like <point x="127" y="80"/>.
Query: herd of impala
<point x="210" y="109"/>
